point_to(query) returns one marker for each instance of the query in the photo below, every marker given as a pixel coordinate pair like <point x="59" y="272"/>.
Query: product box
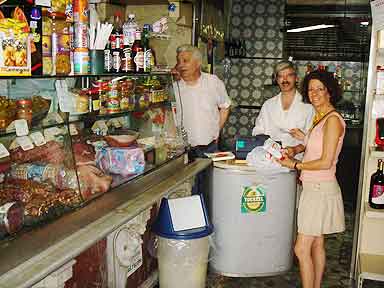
<point x="20" y="40"/>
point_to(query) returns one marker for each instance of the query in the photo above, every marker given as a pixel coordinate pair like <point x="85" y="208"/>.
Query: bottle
<point x="138" y="54"/>
<point x="108" y="58"/>
<point x="148" y="56"/>
<point x="129" y="30"/>
<point x="116" y="43"/>
<point x="126" y="59"/>
<point x="376" y="191"/>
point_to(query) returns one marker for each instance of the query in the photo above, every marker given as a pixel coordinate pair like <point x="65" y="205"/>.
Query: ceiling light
<point x="364" y="23"/>
<point x="309" y="28"/>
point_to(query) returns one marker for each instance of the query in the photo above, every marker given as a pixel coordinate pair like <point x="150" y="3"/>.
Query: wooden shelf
<point x="373" y="213"/>
<point x="371" y="266"/>
<point x="375" y="152"/>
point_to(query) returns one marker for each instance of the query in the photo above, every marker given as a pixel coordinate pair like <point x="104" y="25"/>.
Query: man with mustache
<point x="285" y="117"/>
<point x="202" y="101"/>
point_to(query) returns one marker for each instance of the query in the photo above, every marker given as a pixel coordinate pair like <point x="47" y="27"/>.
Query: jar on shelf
<point x="24" y="110"/>
<point x="82" y="102"/>
<point x="113" y="99"/>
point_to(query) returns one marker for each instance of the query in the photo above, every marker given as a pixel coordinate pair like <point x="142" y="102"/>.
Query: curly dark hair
<point x="328" y="81"/>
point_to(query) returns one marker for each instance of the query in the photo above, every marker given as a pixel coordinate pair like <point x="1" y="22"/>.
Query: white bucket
<point x="183" y="263"/>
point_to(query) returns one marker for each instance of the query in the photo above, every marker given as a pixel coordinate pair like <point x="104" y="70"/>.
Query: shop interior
<point x="76" y="213"/>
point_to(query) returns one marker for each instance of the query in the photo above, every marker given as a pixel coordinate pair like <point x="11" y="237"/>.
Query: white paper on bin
<point x="186" y="213"/>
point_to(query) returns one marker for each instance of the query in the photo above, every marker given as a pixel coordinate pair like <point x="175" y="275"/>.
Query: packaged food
<point x="123" y="161"/>
<point x="273" y="148"/>
<point x="11" y="218"/>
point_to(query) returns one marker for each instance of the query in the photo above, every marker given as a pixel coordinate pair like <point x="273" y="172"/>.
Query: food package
<point x="11" y="218"/>
<point x="123" y="161"/>
<point x="21" y="41"/>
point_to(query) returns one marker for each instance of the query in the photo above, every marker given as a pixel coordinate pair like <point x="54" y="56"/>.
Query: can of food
<point x="11" y="218"/>
<point x="24" y="110"/>
<point x="113" y="105"/>
<point x="81" y="61"/>
<point x="80" y="11"/>
<point x="81" y="35"/>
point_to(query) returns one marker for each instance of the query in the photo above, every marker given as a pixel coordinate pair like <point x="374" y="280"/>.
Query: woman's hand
<point x="297" y="134"/>
<point x="286" y="162"/>
<point x="289" y="152"/>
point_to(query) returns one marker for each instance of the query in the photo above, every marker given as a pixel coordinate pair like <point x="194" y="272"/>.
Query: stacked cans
<point x="81" y="60"/>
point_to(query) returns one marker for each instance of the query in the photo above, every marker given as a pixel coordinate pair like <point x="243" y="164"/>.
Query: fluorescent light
<point x="309" y="28"/>
<point x="364" y="23"/>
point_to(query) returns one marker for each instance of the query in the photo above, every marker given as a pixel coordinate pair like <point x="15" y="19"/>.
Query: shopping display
<point x="65" y="143"/>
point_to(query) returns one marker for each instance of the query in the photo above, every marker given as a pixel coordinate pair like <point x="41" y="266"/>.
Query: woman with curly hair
<point x="321" y="205"/>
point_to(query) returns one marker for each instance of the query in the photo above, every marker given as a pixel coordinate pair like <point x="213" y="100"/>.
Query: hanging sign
<point x="377" y="9"/>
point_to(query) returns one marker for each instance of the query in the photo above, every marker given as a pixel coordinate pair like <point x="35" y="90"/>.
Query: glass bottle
<point x="376" y="191"/>
<point x="138" y="54"/>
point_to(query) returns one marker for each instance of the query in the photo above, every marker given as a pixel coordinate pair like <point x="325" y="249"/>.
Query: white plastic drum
<point x="253" y="217"/>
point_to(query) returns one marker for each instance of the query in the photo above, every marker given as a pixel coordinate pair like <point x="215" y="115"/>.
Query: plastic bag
<point x="261" y="159"/>
<point x="123" y="161"/>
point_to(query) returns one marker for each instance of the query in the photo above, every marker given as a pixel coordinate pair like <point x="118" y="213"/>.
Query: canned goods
<point x="80" y="11"/>
<point x="113" y="105"/>
<point x="81" y="35"/>
<point x="11" y="218"/>
<point x="81" y="62"/>
<point x="24" y="110"/>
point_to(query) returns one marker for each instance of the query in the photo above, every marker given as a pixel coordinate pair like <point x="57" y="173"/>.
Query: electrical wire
<point x="184" y="133"/>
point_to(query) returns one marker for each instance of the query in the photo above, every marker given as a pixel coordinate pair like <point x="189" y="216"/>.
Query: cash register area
<point x="336" y="274"/>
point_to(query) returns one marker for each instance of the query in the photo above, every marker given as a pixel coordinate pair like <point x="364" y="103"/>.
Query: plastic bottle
<point x="129" y="30"/>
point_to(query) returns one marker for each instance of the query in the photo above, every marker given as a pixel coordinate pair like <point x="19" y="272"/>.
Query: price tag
<point x="21" y="126"/>
<point x="50" y="133"/>
<point x="73" y="130"/>
<point x="45" y="3"/>
<point x="38" y="138"/>
<point x="3" y="151"/>
<point x="25" y="143"/>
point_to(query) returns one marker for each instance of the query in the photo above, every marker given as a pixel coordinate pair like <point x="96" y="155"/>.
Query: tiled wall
<point x="249" y="82"/>
<point x="258" y="22"/>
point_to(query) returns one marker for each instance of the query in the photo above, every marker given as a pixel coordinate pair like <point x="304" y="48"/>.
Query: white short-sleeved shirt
<point x="199" y="105"/>
<point x="275" y="122"/>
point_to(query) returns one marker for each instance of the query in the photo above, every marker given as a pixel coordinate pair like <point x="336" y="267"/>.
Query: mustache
<point x="285" y="82"/>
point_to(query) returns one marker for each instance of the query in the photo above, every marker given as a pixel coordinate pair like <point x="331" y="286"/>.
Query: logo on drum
<point x="253" y="199"/>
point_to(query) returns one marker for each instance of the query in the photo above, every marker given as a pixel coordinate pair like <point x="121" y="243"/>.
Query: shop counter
<point x="253" y="214"/>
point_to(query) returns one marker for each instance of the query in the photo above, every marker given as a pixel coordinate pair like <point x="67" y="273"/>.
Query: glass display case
<point x="67" y="141"/>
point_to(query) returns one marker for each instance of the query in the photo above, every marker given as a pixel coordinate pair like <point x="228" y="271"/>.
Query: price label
<point x="3" y="151"/>
<point x="38" y="138"/>
<point x="73" y="130"/>
<point x="50" y="133"/>
<point x="21" y="126"/>
<point x="45" y="3"/>
<point x="25" y="143"/>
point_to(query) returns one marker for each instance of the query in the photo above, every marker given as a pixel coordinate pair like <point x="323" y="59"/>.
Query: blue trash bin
<point x="182" y="255"/>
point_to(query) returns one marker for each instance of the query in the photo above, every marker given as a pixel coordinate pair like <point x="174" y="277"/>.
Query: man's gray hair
<point x="189" y="48"/>
<point x="284" y="65"/>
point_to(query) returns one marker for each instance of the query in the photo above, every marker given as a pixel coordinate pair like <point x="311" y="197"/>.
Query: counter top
<point x="242" y="166"/>
<point x="34" y="255"/>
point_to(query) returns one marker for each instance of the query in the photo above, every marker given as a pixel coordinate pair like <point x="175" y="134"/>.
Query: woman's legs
<point x="318" y="258"/>
<point x="303" y="251"/>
